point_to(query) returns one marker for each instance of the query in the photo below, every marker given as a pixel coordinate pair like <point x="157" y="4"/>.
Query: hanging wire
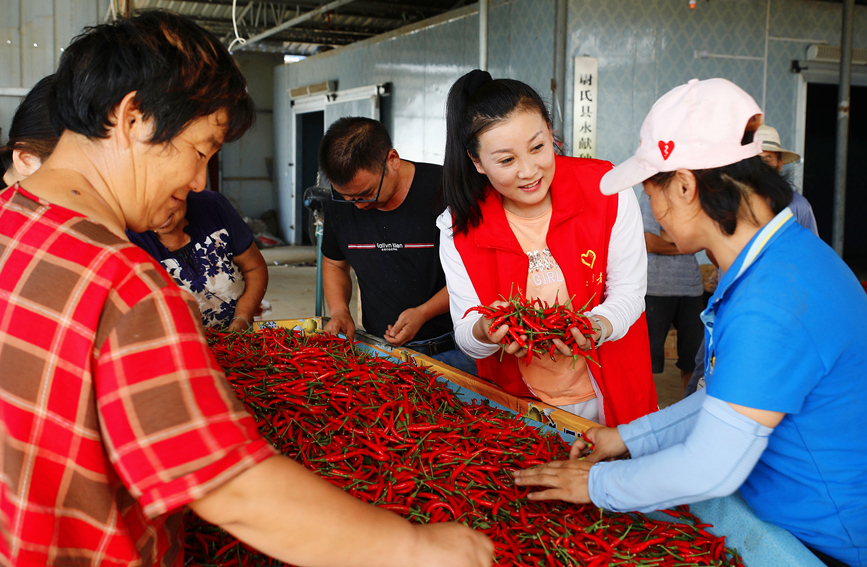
<point x="238" y="39"/>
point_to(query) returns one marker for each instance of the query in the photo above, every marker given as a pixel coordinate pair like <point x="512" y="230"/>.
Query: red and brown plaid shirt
<point x="116" y="413"/>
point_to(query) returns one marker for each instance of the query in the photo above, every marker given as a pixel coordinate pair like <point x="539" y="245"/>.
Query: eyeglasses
<point x="338" y="198"/>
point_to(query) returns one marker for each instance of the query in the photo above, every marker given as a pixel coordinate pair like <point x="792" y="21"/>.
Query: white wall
<point x="32" y="37"/>
<point x="247" y="180"/>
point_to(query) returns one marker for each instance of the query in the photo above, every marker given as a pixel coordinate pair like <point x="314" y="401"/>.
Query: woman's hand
<point x="482" y="327"/>
<point x="567" y="480"/>
<point x="605" y="442"/>
<point x="564" y="480"/>
<point x="451" y="544"/>
<point x="237" y="325"/>
<point x="582" y="341"/>
<point x="482" y="332"/>
<point x="515" y="347"/>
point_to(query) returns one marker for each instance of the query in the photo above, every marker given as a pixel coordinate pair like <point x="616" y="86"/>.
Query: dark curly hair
<point x="179" y="72"/>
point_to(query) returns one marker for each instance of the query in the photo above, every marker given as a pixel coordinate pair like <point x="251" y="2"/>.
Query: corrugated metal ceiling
<point x="353" y="21"/>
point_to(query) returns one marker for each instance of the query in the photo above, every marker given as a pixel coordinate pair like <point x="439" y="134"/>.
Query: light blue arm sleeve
<point x="713" y="460"/>
<point x="664" y="428"/>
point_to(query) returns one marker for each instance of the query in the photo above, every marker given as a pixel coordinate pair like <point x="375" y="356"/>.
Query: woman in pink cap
<point x="786" y="345"/>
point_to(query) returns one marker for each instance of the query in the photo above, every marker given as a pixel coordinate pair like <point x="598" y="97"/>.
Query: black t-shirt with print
<point x="395" y="254"/>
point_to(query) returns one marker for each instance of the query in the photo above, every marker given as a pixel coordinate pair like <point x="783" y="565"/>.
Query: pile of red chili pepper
<point x="393" y="435"/>
<point x="539" y="323"/>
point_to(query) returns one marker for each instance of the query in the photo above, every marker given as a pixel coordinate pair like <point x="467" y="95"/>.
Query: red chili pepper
<point x="516" y="337"/>
<point x="539" y="322"/>
<point x="391" y="434"/>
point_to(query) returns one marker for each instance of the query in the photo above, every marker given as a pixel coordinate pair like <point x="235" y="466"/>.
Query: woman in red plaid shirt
<point x="115" y="416"/>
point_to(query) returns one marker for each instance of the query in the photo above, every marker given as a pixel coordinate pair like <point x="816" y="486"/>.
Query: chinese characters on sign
<point x="584" y="107"/>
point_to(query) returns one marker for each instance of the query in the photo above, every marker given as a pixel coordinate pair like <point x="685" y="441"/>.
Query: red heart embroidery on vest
<point x="666" y="149"/>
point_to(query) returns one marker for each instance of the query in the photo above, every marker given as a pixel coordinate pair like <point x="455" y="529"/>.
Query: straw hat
<point x="771" y="143"/>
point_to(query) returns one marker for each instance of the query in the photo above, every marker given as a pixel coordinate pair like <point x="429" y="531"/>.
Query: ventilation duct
<point x="822" y="65"/>
<point x="822" y="53"/>
<point x="323" y="88"/>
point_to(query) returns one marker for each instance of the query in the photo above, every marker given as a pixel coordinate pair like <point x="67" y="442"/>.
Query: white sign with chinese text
<point x="584" y="107"/>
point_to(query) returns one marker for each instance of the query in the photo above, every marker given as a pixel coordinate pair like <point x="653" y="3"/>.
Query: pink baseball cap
<point x="698" y="125"/>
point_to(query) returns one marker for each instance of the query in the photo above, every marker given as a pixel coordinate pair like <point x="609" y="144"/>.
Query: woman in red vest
<point x="522" y="217"/>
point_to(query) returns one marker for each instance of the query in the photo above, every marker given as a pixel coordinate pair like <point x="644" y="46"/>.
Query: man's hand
<point x="660" y="244"/>
<point x="337" y="286"/>
<point x="411" y="320"/>
<point x="406" y="326"/>
<point x="341" y="323"/>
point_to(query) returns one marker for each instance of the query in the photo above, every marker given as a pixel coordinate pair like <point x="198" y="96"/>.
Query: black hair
<point x="353" y="143"/>
<point x="31" y="129"/>
<point x="179" y="71"/>
<point x="476" y="103"/>
<point x="722" y="190"/>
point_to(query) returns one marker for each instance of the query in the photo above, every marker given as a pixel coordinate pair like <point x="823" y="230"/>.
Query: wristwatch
<point x="599" y="326"/>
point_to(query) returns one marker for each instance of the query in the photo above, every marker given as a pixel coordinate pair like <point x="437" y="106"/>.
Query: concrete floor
<point x="668" y="385"/>
<point x="292" y="295"/>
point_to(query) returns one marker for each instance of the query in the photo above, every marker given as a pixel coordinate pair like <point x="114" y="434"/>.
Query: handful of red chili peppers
<point x="540" y="323"/>
<point x="393" y="435"/>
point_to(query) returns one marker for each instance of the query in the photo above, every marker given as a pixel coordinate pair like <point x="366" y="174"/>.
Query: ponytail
<point x="462" y="186"/>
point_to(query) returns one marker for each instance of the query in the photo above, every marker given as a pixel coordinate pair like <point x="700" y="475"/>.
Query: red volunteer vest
<point x="578" y="237"/>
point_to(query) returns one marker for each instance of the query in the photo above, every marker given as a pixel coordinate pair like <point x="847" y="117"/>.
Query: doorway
<point x="820" y="146"/>
<point x="300" y="124"/>
<point x="309" y="129"/>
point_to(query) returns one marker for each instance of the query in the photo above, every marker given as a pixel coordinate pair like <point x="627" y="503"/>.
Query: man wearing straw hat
<point x="775" y="156"/>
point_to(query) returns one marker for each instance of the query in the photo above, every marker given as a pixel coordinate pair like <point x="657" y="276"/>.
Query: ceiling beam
<point x="302" y="21"/>
<point x="295" y="21"/>
<point x="354" y="32"/>
<point x="339" y="27"/>
<point x="363" y="8"/>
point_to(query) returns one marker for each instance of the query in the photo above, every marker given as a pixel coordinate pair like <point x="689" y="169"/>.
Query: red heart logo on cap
<point x="666" y="148"/>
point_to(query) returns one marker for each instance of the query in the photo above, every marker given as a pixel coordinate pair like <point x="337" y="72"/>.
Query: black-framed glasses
<point x="338" y="198"/>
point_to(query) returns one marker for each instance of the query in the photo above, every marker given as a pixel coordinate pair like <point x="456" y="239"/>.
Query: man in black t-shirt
<point x="381" y="221"/>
